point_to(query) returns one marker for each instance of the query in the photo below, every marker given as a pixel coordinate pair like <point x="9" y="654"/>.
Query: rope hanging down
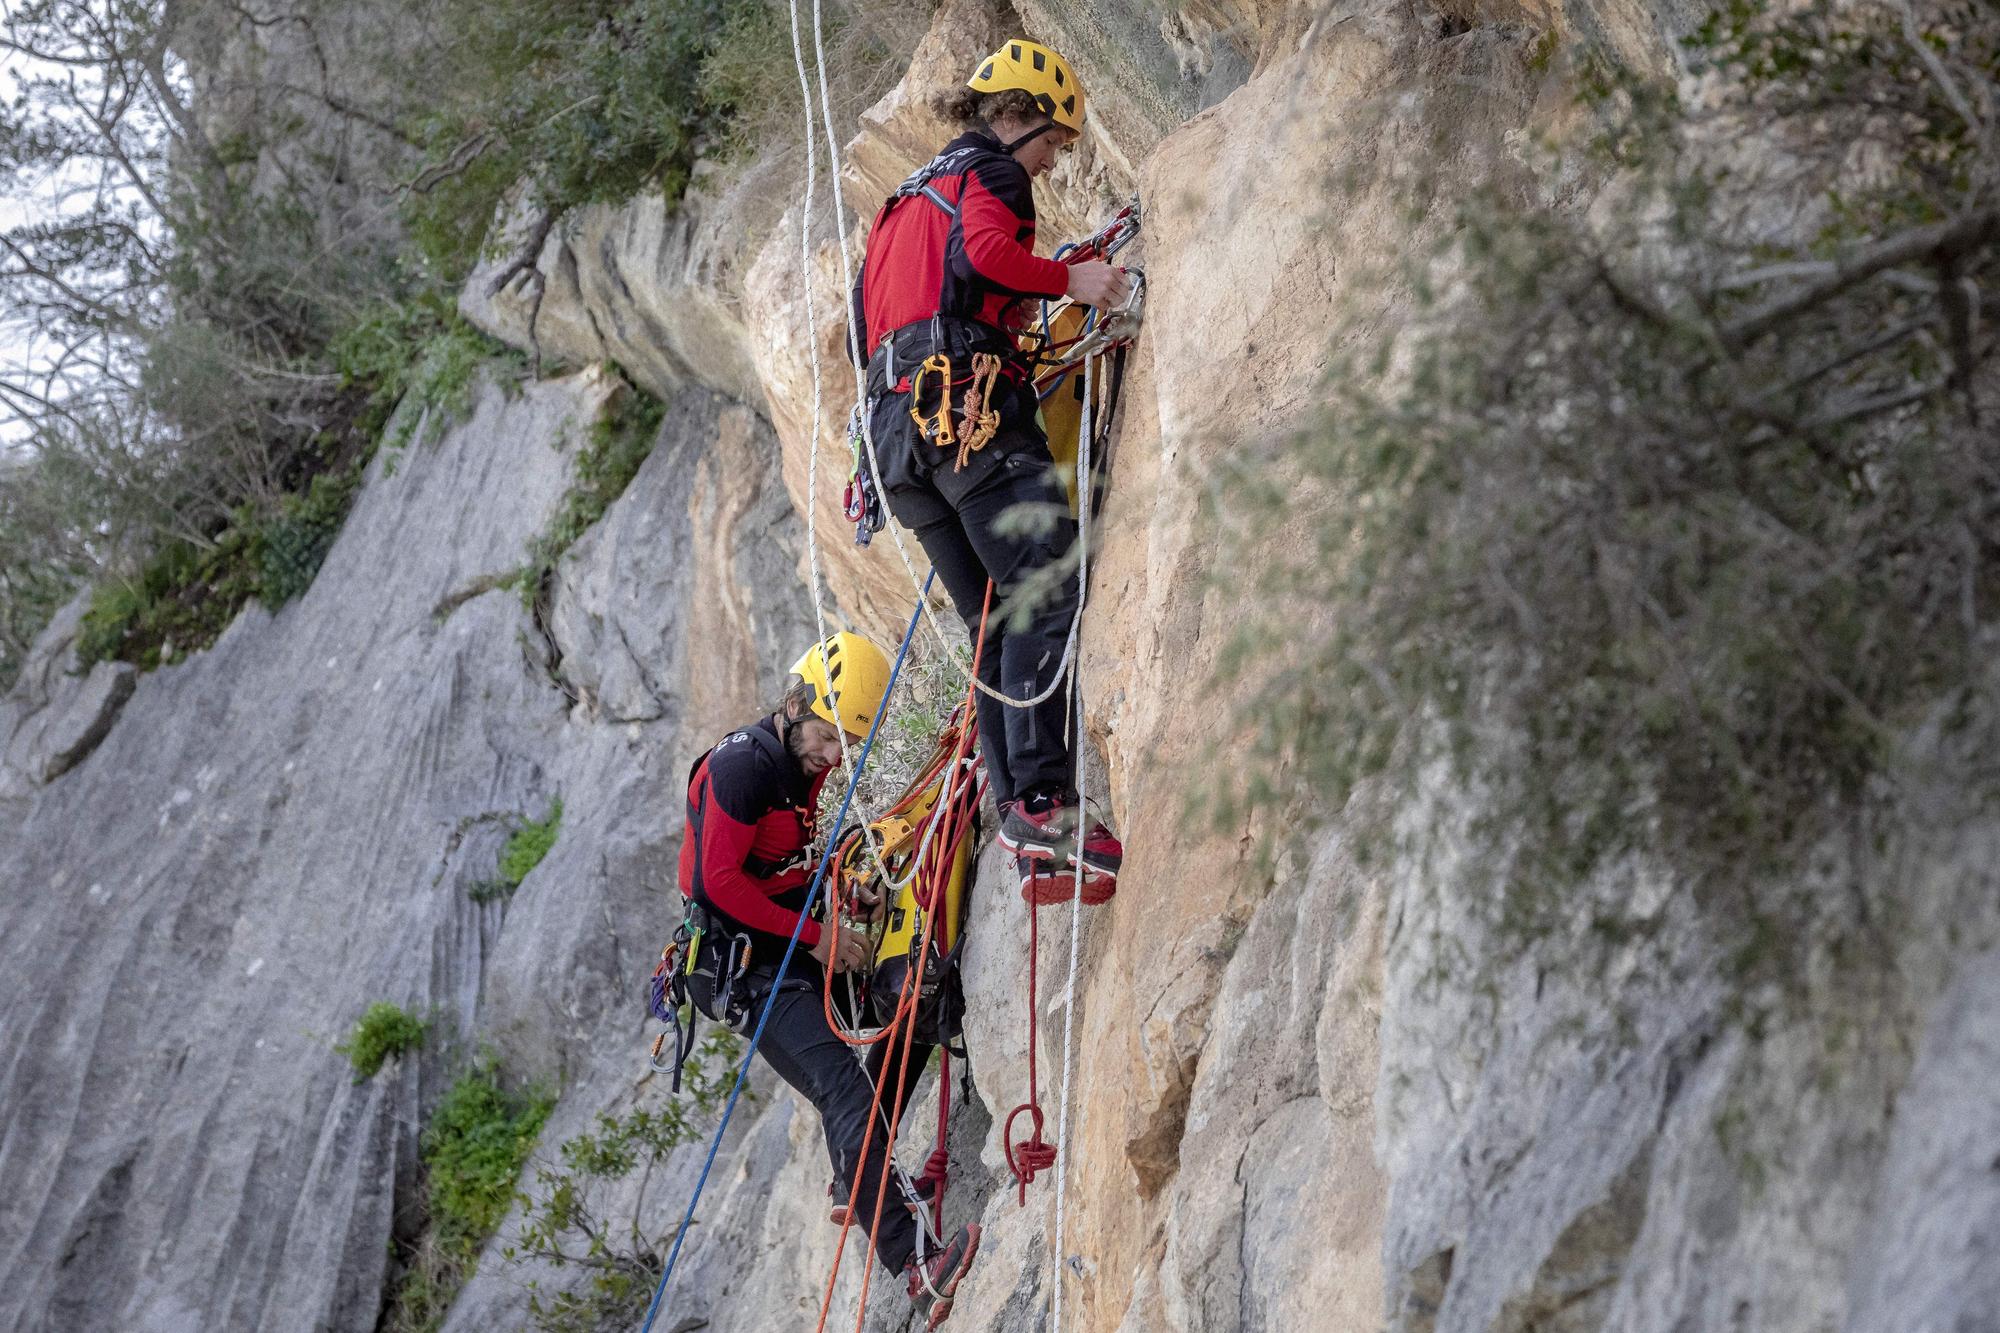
<point x="1076" y="897"/>
<point x="1067" y="669"/>
<point x="784" y="966"/>
<point x="958" y="781"/>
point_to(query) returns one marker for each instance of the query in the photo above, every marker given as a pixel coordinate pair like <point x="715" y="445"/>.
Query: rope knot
<point x="1030" y="1156"/>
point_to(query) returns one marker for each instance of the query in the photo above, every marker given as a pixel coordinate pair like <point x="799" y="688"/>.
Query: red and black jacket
<point x="750" y="811"/>
<point x="956" y="239"/>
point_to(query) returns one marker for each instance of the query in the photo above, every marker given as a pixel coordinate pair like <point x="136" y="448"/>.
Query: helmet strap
<point x="1028" y="138"/>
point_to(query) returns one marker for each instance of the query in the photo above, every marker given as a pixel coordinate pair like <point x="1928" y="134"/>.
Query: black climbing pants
<point x="961" y="519"/>
<point x="826" y="1071"/>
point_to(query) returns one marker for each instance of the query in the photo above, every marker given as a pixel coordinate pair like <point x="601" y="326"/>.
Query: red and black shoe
<point x="1100" y="852"/>
<point x="1046" y="883"/>
<point x="1039" y="825"/>
<point x="934" y="1284"/>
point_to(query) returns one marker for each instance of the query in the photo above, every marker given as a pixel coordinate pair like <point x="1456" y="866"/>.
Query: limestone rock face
<point x="283" y="830"/>
<point x="56" y="714"/>
<point x="1301" y="1092"/>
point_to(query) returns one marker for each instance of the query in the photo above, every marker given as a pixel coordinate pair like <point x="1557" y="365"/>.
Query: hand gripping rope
<point x="784" y="965"/>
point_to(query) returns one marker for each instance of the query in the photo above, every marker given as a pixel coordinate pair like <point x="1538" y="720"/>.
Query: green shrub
<point x="419" y="350"/>
<point x="473" y="1149"/>
<point x="180" y="601"/>
<point x="619" y="443"/>
<point x="588" y="102"/>
<point x="1654" y="573"/>
<point x="606" y="100"/>
<point x="524" y="850"/>
<point x="384" y="1030"/>
<point x="293" y="545"/>
<point x="185" y="596"/>
<point x="566" y="1221"/>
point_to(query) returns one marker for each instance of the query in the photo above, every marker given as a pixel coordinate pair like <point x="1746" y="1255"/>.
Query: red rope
<point x="950" y="746"/>
<point x="904" y="1020"/>
<point x="1033" y="1154"/>
<point x="937" y="1168"/>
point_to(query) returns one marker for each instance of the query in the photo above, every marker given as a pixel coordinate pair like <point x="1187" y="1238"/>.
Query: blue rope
<point x="743" y="1071"/>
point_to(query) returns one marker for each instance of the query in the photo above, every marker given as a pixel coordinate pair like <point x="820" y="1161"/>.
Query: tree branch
<point x="1942" y="240"/>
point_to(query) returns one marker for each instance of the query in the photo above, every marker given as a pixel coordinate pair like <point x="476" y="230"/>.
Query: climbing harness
<point x="1065" y="674"/>
<point x="771" y="998"/>
<point x="960" y="780"/>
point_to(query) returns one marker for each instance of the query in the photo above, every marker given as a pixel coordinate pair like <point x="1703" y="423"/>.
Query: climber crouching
<point x="751" y="805"/>
<point x="953" y="416"/>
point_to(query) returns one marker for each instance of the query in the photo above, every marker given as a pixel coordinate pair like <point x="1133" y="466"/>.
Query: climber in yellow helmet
<point x="941" y="297"/>
<point x="751" y="806"/>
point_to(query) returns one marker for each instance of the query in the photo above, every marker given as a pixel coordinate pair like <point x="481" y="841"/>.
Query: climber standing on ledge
<point x="951" y="404"/>
<point x="751" y="804"/>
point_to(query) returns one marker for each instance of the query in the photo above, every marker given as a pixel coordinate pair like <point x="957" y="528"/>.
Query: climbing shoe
<point x="934" y="1283"/>
<point x="1100" y="852"/>
<point x="1045" y="882"/>
<point x="1039" y="825"/>
<point x="836" y="1199"/>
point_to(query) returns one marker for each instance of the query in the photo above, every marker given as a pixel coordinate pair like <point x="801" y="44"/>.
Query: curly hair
<point x="797" y="699"/>
<point x="970" y="108"/>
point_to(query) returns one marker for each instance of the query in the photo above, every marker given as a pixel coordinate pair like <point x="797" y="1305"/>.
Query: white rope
<point x="893" y="884"/>
<point x="1067" y="668"/>
<point x="866" y="816"/>
<point x="1076" y="897"/>
<point x="856" y="356"/>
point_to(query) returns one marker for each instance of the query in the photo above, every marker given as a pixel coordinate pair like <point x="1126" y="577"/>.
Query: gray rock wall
<point x="1303" y="1096"/>
<point x="284" y="828"/>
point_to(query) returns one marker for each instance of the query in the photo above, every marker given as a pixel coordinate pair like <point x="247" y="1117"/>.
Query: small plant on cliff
<point x="384" y="1030"/>
<point x="420" y="354"/>
<point x="473" y="1149"/>
<point x="186" y="594"/>
<point x="567" y="1222"/>
<point x="1662" y="528"/>
<point x="523" y="851"/>
<point x="619" y="441"/>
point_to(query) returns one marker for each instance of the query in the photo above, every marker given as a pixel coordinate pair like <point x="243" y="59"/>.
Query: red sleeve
<point x="725" y="842"/>
<point x="994" y="232"/>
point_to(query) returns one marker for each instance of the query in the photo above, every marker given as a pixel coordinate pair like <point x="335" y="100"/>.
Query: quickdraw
<point x="862" y="500"/>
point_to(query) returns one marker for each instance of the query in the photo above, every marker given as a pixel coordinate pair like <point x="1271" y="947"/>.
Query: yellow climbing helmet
<point x="1036" y="70"/>
<point x="850" y="679"/>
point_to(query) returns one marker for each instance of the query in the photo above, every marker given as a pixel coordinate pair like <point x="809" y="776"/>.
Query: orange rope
<point x="949" y="747"/>
<point x="903" y="1021"/>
